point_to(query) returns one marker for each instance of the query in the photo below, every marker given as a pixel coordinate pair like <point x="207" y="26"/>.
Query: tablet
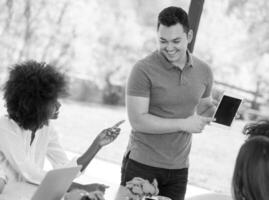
<point x="226" y="110"/>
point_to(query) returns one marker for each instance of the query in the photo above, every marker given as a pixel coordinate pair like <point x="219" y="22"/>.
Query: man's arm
<point x="207" y="107"/>
<point x="142" y="120"/>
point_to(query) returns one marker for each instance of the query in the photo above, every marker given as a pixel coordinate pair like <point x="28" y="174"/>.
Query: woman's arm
<point x="104" y="138"/>
<point x="58" y="158"/>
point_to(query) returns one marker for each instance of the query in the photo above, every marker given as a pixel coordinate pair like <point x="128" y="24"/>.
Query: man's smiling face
<point x="173" y="42"/>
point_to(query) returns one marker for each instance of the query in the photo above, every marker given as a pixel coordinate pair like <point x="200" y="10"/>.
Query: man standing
<point x="168" y="99"/>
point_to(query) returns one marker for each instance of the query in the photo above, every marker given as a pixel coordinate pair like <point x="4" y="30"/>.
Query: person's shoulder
<point x="5" y="122"/>
<point x="201" y="65"/>
<point x="7" y="125"/>
<point x="2" y="124"/>
<point x="199" y="62"/>
<point x="148" y="61"/>
<point x="2" y="119"/>
<point x="50" y="130"/>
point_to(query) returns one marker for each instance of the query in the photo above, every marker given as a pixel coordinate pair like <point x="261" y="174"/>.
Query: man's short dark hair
<point x="257" y="128"/>
<point x="30" y="88"/>
<point x="171" y="16"/>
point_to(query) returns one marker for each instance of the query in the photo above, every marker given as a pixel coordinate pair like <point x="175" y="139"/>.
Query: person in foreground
<point x="259" y="128"/>
<point x="26" y="135"/>
<point x="168" y="99"/>
<point x="251" y="173"/>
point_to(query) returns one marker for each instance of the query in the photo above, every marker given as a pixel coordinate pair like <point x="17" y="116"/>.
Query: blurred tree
<point x="35" y="29"/>
<point x="219" y="42"/>
<point x="118" y="39"/>
<point x="126" y="33"/>
<point x="100" y="40"/>
<point x="255" y="17"/>
<point x="147" y="11"/>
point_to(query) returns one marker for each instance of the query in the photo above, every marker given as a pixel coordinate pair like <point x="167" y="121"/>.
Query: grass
<point x="212" y="156"/>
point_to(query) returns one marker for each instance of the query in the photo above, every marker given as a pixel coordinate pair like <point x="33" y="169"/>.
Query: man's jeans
<point x="172" y="183"/>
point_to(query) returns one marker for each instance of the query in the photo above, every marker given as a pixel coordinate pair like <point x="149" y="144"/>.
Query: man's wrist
<point x="181" y="125"/>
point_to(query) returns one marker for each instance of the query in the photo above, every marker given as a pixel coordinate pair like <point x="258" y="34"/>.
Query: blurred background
<point x="97" y="42"/>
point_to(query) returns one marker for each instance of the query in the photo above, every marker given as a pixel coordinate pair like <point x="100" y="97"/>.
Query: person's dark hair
<point x="258" y="128"/>
<point x="30" y="88"/>
<point x="251" y="173"/>
<point x="171" y="16"/>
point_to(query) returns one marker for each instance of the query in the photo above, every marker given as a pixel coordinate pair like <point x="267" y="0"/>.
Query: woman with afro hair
<point x="26" y="137"/>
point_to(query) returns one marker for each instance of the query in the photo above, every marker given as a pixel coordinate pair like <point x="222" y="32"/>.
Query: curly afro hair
<point x="258" y="128"/>
<point x="30" y="88"/>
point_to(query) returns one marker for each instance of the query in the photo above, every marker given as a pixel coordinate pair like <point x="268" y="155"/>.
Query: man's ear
<point x="190" y="36"/>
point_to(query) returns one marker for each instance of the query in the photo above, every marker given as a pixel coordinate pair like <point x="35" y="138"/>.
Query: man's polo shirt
<point x="173" y="93"/>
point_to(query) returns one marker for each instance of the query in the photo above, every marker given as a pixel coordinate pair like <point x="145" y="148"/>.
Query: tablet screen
<point x="226" y="110"/>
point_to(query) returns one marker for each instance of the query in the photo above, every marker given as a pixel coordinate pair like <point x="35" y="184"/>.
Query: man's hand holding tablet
<point x="196" y="123"/>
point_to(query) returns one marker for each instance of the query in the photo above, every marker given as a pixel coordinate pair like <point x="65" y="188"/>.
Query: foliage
<point x="113" y="94"/>
<point x="34" y="29"/>
<point x="254" y="15"/>
<point x="82" y="89"/>
<point x="225" y="41"/>
<point x="99" y="38"/>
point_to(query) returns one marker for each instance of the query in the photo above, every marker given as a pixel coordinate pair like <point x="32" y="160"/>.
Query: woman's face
<point x="53" y="109"/>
